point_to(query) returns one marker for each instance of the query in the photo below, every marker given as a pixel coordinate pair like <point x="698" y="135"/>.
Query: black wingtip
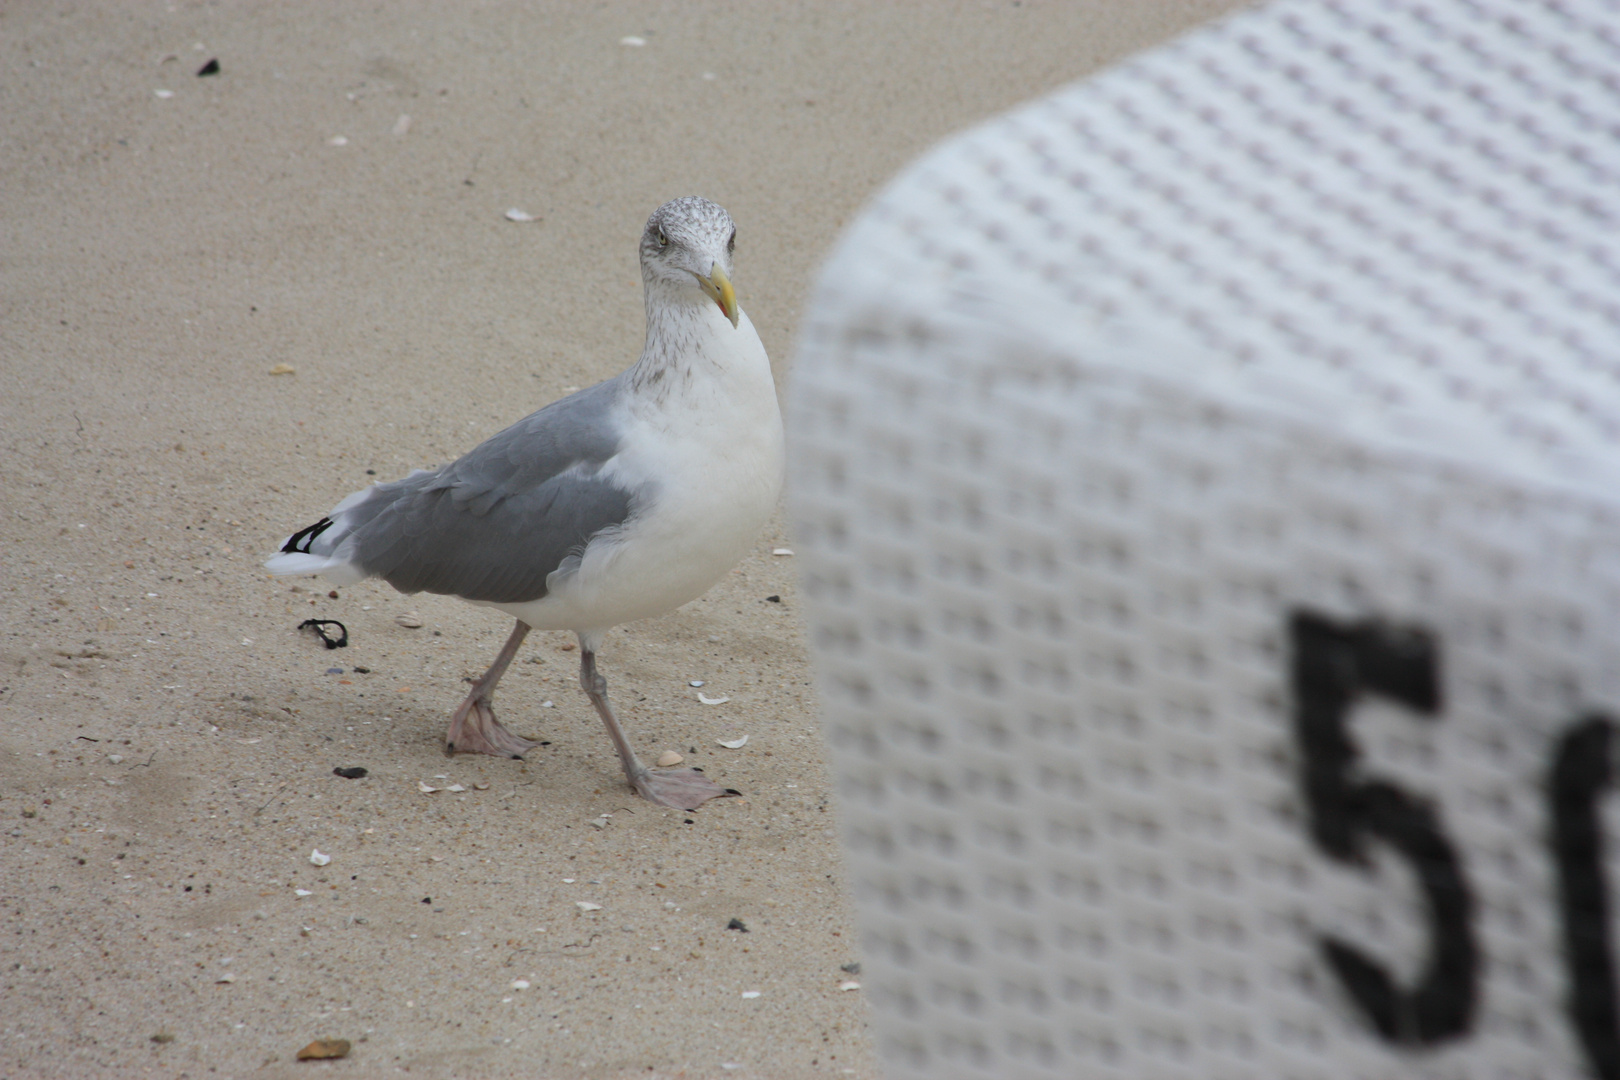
<point x="299" y="542"/>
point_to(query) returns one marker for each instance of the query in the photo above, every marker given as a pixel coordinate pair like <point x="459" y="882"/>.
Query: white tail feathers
<point x="321" y="547"/>
<point x="335" y="570"/>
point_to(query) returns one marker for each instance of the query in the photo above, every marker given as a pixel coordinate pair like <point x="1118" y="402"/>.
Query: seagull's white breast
<point x="703" y="446"/>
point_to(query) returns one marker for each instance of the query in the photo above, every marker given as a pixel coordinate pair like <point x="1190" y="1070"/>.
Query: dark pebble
<point x="358" y="670"/>
<point x="333" y="595"/>
<point x="853" y="969"/>
<point x="334" y="671"/>
<point x="210" y="68"/>
<point x="773" y="599"/>
<point x="353" y="772"/>
<point x="427" y="899"/>
<point x="736" y="924"/>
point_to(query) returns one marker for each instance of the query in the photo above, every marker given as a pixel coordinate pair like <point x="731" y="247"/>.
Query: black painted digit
<point x="1334" y="665"/>
<point x="1580" y="774"/>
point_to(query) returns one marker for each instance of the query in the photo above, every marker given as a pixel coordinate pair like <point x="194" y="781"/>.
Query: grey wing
<point x="492" y="525"/>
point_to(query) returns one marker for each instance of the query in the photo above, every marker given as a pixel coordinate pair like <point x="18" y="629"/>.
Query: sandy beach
<point x="228" y="300"/>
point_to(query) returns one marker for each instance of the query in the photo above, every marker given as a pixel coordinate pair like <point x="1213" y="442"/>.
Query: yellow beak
<point x="718" y="288"/>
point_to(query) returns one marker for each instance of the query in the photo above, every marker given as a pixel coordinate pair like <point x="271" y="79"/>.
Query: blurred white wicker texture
<point x="1206" y="485"/>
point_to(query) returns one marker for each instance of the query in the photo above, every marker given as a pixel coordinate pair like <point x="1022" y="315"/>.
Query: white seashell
<point x="569" y="880"/>
<point x="586" y="905"/>
<point x="668" y="758"/>
<point x="547" y="705"/>
<point x="426" y="789"/>
<point x="707" y="700"/>
<point x="849" y="986"/>
<point x="226" y="978"/>
<point x="695" y="683"/>
<point x="165" y="94"/>
<point x="520" y="984"/>
<point x="633" y="42"/>
<point x="750" y="993"/>
<point x="515" y="214"/>
<point x="455" y="787"/>
<point x="302" y="892"/>
<point x="733" y="744"/>
<point x="319" y="858"/>
<point x="338" y="140"/>
<point x="410" y="620"/>
<point x="781" y="551"/>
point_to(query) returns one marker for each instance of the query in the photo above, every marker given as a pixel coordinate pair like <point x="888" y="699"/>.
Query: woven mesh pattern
<point x="1132" y="428"/>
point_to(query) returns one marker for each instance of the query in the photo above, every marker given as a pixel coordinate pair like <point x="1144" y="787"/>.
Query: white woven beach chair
<point x="1208" y="486"/>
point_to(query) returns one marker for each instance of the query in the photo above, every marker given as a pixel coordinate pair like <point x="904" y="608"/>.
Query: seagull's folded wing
<point x="492" y="525"/>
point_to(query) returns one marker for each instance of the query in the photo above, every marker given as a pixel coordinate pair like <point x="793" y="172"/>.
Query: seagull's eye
<point x="731" y="245"/>
<point x="663" y="241"/>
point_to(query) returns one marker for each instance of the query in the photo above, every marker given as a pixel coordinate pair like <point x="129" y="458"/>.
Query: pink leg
<point x="473" y="727"/>
<point x="684" y="789"/>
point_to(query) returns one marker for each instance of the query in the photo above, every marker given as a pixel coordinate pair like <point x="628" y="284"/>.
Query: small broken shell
<point x="410" y="620"/>
<point x="520" y="984"/>
<point x="849" y="986"/>
<point x="781" y="551"/>
<point x="668" y="758"/>
<point x="515" y="214"/>
<point x="586" y="905"/>
<point x="283" y="369"/>
<point x="319" y="857"/>
<point x="707" y="700"/>
<point x="324" y="1048"/>
<point x="227" y="977"/>
<point x="733" y="744"/>
<point x="426" y="789"/>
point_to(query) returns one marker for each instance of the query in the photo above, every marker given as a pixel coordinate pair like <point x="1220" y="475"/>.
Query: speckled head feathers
<point x="689" y="226"/>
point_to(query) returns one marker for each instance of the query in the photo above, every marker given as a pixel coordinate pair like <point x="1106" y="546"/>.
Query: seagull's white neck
<point x="686" y="332"/>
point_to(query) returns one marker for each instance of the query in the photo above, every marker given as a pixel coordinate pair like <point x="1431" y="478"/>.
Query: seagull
<point x="620" y="502"/>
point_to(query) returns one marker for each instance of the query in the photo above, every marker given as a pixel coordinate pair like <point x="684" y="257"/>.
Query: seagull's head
<point x="687" y="247"/>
